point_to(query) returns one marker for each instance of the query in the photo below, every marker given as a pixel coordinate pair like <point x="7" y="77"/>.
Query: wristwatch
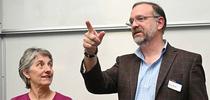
<point x="91" y="55"/>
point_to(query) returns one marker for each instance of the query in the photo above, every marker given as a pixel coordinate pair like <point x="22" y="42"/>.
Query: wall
<point x="58" y="25"/>
<point x="67" y="51"/>
<point x="1" y="55"/>
<point x="2" y="81"/>
<point x="51" y="14"/>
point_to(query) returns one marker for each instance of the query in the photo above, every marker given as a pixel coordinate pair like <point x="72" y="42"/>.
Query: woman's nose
<point x="48" y="68"/>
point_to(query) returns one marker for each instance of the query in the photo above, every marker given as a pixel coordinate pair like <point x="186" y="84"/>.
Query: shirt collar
<point x="139" y="54"/>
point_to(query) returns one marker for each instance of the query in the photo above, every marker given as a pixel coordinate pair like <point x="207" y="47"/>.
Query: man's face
<point x="143" y="23"/>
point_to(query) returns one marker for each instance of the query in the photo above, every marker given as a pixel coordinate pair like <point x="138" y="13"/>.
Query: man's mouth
<point x="137" y="30"/>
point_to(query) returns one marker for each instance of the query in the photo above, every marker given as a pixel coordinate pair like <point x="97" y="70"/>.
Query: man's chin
<point x="138" y="34"/>
<point x="138" y="40"/>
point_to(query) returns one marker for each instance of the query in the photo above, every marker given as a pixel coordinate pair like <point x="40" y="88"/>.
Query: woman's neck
<point x="41" y="93"/>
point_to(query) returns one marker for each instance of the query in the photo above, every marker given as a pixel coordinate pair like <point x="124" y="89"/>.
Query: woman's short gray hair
<point x="27" y="59"/>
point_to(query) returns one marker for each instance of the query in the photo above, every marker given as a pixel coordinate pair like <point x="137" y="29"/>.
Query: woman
<point x="36" y="70"/>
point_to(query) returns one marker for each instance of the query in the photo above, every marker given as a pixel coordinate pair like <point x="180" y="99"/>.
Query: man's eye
<point x="131" y="21"/>
<point x="140" y="18"/>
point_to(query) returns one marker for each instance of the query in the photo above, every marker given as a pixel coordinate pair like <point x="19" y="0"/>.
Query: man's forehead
<point x="142" y="9"/>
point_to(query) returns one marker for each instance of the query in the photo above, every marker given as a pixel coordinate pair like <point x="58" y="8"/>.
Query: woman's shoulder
<point x="21" y="97"/>
<point x="59" y="96"/>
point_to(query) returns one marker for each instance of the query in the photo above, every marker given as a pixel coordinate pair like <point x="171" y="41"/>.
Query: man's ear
<point x="161" y="23"/>
<point x="26" y="73"/>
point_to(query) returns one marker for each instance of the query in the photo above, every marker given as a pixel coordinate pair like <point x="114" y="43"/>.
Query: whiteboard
<point x="50" y="14"/>
<point x="36" y="14"/>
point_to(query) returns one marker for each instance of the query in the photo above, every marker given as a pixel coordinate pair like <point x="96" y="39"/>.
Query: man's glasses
<point x="140" y="19"/>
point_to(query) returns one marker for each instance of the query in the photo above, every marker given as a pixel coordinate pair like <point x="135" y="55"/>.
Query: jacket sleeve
<point x="98" y="81"/>
<point x="197" y="87"/>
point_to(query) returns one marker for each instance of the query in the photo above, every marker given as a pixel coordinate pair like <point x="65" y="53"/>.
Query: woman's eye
<point x="50" y="64"/>
<point x="40" y="64"/>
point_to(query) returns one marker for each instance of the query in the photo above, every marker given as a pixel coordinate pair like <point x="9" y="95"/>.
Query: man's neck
<point x="152" y="50"/>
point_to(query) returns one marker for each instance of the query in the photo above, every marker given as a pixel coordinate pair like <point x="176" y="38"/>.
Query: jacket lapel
<point x="168" y="59"/>
<point x="134" y="76"/>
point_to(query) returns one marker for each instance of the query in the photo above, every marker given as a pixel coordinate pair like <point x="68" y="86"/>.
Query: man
<point x="156" y="71"/>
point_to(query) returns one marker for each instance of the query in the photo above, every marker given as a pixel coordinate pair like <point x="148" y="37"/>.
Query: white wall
<point x="26" y="15"/>
<point x="1" y="54"/>
<point x="1" y="16"/>
<point x="67" y="52"/>
<point x="1" y="70"/>
<point x="41" y="14"/>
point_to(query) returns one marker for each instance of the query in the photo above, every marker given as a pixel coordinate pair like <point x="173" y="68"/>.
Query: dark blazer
<point x="177" y="65"/>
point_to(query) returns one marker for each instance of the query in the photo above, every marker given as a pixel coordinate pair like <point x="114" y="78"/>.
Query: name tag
<point x="175" y="86"/>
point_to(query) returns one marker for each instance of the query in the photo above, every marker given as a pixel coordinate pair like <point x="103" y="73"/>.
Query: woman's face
<point x="41" y="72"/>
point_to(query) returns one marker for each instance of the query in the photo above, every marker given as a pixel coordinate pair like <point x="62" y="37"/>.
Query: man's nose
<point x="134" y="24"/>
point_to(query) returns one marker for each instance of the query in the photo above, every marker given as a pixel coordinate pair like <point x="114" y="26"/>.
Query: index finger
<point x="89" y="26"/>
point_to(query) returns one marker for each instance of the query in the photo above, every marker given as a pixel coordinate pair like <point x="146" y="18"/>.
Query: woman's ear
<point x="26" y="73"/>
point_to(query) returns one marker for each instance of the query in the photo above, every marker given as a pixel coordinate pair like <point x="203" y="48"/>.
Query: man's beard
<point x="147" y="36"/>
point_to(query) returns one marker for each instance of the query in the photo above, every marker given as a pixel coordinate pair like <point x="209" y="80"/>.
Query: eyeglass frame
<point x="140" y="18"/>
